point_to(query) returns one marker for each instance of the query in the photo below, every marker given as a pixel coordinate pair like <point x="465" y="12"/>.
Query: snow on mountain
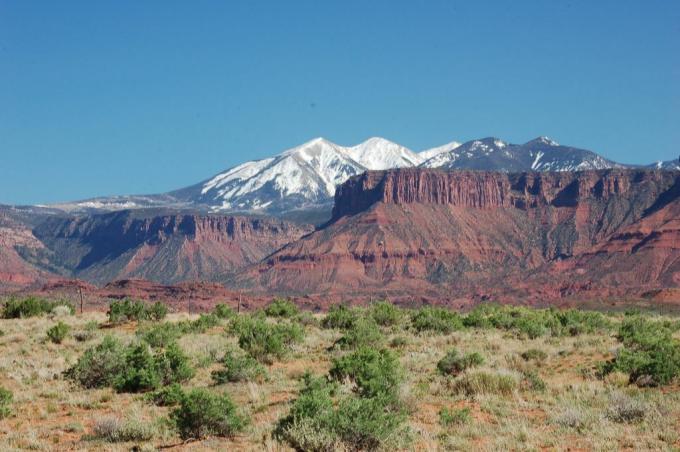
<point x="433" y="152"/>
<point x="540" y="154"/>
<point x="379" y="154"/>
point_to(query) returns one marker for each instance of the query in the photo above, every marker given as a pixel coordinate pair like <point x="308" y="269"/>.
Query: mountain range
<point x="303" y="179"/>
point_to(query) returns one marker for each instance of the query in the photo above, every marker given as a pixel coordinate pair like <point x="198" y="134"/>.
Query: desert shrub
<point x="202" y="413"/>
<point x="534" y="354"/>
<point x="534" y="323"/>
<point x="113" y="429"/>
<point x="6" y="398"/>
<point x="306" y="318"/>
<point x="454" y="363"/>
<point x="437" y="320"/>
<point x="376" y="373"/>
<point x="265" y="341"/>
<point x="385" y="313"/>
<point x="145" y="371"/>
<point x="449" y="417"/>
<point x="130" y="310"/>
<point x="238" y="367"/>
<point x="482" y="382"/>
<point x="281" y="308"/>
<point x="87" y="333"/>
<point x="100" y="365"/>
<point x="58" y="332"/>
<point x="399" y="342"/>
<point x="223" y="311"/>
<point x="573" y="418"/>
<point x="340" y="317"/>
<point x="623" y="408"/>
<point x="161" y="334"/>
<point x="363" y="332"/>
<point x="650" y="354"/>
<point x="156" y="312"/>
<point x="317" y="421"/>
<point x="31" y="307"/>
<point x="170" y="395"/>
<point x="532" y="381"/>
<point x="199" y="326"/>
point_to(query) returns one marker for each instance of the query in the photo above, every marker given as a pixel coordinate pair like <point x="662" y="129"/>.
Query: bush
<point x="532" y="381"/>
<point x="58" y="332"/>
<point x="454" y="363"/>
<point x="363" y="332"/>
<point x="449" y="417"/>
<point x="385" y="313"/>
<point x="223" y="311"/>
<point x="317" y="421"/>
<point x="340" y="317"/>
<point x="626" y="409"/>
<point x="145" y="371"/>
<point x="6" y="398"/>
<point x="238" y="367"/>
<point x="100" y="365"/>
<point x="130" y="310"/>
<point x="167" y="396"/>
<point x="202" y="413"/>
<point x="160" y="335"/>
<point x="31" y="307"/>
<point x="265" y="341"/>
<point x="114" y="430"/>
<point x="650" y="355"/>
<point x="199" y="326"/>
<point x="437" y="320"/>
<point x="534" y="354"/>
<point x="282" y="308"/>
<point x="481" y="382"/>
<point x="376" y="373"/>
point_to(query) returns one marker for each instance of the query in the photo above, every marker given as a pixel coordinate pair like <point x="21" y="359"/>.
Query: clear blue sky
<point x="123" y="97"/>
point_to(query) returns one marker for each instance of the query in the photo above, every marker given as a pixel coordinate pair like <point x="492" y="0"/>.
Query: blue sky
<point x="100" y="98"/>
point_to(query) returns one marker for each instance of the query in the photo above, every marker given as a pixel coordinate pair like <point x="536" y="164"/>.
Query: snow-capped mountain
<point x="540" y="154"/>
<point x="304" y="178"/>
<point x="301" y="177"/>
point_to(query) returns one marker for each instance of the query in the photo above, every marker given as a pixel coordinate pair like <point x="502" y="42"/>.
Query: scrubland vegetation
<point x="373" y="378"/>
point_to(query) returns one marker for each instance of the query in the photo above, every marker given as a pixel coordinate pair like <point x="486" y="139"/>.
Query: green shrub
<point x="202" y="413"/>
<point x="6" y="398"/>
<point x="340" y="317"/>
<point x="129" y="310"/>
<point x="238" y="367"/>
<point x="100" y="365"/>
<point x="449" y="417"/>
<point x="157" y="311"/>
<point x="385" y="313"/>
<point x="161" y="334"/>
<point x="532" y="381"/>
<point x="167" y="396"/>
<point x="282" y="308"/>
<point x="650" y="355"/>
<point x="317" y="421"/>
<point x="454" y="363"/>
<point x="265" y="341"/>
<point x="58" y="332"/>
<point x="481" y="382"/>
<point x="306" y="318"/>
<point x="363" y="332"/>
<point x="223" y="311"/>
<point x="145" y="371"/>
<point x="376" y="373"/>
<point x="31" y="307"/>
<point x="399" y="342"/>
<point x="534" y="354"/>
<point x="199" y="326"/>
<point x="437" y="320"/>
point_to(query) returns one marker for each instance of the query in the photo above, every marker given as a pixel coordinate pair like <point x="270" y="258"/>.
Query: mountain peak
<point x="544" y="140"/>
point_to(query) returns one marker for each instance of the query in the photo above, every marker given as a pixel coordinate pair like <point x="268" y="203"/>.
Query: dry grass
<point x="575" y="411"/>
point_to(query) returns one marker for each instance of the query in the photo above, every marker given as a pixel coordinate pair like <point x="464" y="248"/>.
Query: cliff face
<point x="484" y="190"/>
<point x="473" y="232"/>
<point x="166" y="248"/>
